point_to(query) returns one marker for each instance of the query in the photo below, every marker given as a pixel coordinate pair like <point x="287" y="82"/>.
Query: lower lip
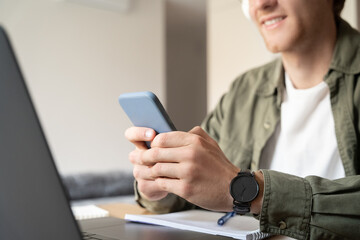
<point x="274" y="25"/>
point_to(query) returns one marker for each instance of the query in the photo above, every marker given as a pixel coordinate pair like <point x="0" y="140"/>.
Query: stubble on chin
<point x="271" y="46"/>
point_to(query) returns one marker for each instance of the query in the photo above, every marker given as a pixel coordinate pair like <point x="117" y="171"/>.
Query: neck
<point x="307" y="65"/>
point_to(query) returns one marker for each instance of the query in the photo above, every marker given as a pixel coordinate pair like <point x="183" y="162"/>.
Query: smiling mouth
<point x="273" y="21"/>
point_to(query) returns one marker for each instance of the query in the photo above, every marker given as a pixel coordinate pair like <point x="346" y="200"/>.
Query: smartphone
<point x="145" y="110"/>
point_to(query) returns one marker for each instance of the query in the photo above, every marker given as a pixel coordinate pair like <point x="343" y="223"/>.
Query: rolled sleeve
<point x="286" y="205"/>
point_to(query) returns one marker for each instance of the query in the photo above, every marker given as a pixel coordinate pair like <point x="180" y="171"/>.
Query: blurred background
<point x="78" y="56"/>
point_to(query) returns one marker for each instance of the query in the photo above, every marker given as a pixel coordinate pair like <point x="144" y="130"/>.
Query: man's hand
<point x="188" y="164"/>
<point x="147" y="186"/>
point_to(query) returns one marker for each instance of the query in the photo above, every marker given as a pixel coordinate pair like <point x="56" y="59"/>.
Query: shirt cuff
<point x="286" y="208"/>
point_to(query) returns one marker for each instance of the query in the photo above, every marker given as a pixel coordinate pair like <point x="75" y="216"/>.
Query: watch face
<point x="244" y="188"/>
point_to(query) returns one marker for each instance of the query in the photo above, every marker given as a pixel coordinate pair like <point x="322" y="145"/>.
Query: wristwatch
<point x="244" y="189"/>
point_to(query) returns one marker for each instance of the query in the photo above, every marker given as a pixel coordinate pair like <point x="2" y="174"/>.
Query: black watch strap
<point x="241" y="208"/>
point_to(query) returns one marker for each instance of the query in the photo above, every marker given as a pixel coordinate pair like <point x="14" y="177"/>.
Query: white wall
<point x="234" y="44"/>
<point x="77" y="60"/>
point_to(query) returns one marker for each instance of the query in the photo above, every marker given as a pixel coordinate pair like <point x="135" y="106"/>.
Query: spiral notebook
<point x="238" y="227"/>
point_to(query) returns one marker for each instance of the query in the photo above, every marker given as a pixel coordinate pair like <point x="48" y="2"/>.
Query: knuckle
<point x="197" y="140"/>
<point x="162" y="184"/>
<point x="190" y="154"/>
<point x="197" y="128"/>
<point x="136" y="173"/>
<point x="156" y="169"/>
<point x="186" y="190"/>
<point x="140" y="159"/>
<point x="132" y="157"/>
<point x="190" y="173"/>
<point x="154" y="153"/>
<point x="137" y="157"/>
<point x="160" y="139"/>
<point x="191" y="170"/>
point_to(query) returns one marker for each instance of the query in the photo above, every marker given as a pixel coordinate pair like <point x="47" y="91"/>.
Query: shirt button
<point x="282" y="225"/>
<point x="266" y="125"/>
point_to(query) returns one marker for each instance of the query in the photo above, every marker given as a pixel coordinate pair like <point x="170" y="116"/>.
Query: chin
<point x="273" y="48"/>
<point x="285" y="42"/>
<point x="273" y="43"/>
<point x="279" y="45"/>
<point x="280" y="41"/>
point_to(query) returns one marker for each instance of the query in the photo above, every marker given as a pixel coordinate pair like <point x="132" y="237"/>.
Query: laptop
<point x="33" y="201"/>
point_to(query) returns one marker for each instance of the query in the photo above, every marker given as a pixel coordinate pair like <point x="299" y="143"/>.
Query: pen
<point x="225" y="218"/>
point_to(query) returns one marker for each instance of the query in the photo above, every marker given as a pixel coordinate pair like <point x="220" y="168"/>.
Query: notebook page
<point x="239" y="227"/>
<point x="88" y="212"/>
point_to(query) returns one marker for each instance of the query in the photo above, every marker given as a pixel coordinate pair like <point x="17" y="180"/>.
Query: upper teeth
<point x="272" y="21"/>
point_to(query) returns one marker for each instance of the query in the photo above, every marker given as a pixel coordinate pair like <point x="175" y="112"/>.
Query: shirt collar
<point x="346" y="56"/>
<point x="346" y="59"/>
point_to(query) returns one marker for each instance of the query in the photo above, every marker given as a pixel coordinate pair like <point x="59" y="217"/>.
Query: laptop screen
<point x="33" y="203"/>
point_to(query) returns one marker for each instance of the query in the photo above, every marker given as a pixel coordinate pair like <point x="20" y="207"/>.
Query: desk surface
<point x="119" y="210"/>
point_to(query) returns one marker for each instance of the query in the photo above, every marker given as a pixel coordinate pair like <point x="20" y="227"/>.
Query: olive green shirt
<point x="246" y="118"/>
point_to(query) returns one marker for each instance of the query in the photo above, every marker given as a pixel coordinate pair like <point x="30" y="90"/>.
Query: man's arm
<point x="311" y="207"/>
<point x="302" y="208"/>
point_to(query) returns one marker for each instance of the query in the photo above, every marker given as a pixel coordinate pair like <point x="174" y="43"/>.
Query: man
<point x="298" y="114"/>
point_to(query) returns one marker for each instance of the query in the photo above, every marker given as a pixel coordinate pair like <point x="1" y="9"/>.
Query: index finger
<point x="138" y="136"/>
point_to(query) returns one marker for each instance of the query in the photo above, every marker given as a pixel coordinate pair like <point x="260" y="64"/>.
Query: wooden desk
<point x="119" y="210"/>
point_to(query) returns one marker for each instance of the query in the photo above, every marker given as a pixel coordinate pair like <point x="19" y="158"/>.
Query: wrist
<point x="256" y="204"/>
<point x="245" y="190"/>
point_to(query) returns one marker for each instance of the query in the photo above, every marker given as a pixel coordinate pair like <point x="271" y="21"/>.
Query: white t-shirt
<point x="304" y="143"/>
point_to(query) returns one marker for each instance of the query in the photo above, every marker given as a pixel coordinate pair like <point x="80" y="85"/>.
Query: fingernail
<point x="148" y="134"/>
